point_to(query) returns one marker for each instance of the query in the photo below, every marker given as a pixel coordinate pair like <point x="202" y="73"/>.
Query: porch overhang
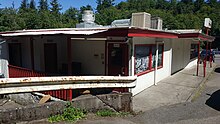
<point x="197" y="36"/>
<point x="40" y="32"/>
<point x="150" y="33"/>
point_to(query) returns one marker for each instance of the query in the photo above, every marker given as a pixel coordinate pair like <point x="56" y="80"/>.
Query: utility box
<point x="141" y="19"/>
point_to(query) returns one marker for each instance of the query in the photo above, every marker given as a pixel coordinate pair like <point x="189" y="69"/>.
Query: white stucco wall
<point x="181" y="54"/>
<point x="91" y="55"/>
<point x="176" y="57"/>
<point x="61" y="42"/>
<point x="3" y="58"/>
<point x="26" y="52"/>
<point x="147" y="80"/>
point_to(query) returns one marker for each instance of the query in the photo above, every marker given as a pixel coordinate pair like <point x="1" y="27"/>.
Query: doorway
<point x="117" y="59"/>
<point x="15" y="56"/>
<point x="50" y="57"/>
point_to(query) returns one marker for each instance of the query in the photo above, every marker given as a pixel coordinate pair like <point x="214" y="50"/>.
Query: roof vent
<point x="156" y="23"/>
<point x="88" y="16"/>
<point x="121" y="23"/>
<point x="141" y="19"/>
<point x="88" y="20"/>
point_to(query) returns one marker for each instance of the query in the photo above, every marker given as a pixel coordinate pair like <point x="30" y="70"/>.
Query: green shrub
<point x="70" y="114"/>
<point x="110" y="113"/>
<point x="106" y="112"/>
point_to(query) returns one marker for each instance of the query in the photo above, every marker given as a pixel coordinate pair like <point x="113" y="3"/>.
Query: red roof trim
<point x="197" y="35"/>
<point x="150" y="33"/>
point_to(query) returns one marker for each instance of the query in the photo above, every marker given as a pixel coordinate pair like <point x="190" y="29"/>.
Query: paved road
<point x="204" y="110"/>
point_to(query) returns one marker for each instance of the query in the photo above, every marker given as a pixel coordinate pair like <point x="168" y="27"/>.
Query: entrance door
<point x="117" y="59"/>
<point x="15" y="54"/>
<point x="50" y="57"/>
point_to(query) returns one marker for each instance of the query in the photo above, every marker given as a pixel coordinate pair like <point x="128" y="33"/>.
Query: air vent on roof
<point x="156" y="23"/>
<point x="141" y="19"/>
<point x="88" y="20"/>
<point x="88" y="16"/>
<point x="121" y="23"/>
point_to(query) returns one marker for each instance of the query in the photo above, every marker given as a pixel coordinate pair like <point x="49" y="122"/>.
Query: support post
<point x="155" y="70"/>
<point x="69" y="55"/>
<point x="198" y="50"/>
<point x="204" y="67"/>
<point x="210" y="55"/>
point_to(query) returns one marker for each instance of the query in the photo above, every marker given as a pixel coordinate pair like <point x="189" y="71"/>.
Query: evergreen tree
<point x="43" y="5"/>
<point x="32" y="5"/>
<point x="55" y="7"/>
<point x="24" y="5"/>
<point x="70" y="17"/>
<point x="103" y="4"/>
<point x="198" y="4"/>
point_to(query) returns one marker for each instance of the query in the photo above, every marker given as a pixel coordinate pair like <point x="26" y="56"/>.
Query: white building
<point x="101" y="51"/>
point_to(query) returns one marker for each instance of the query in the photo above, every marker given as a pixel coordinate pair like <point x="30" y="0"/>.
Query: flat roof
<point x="113" y="31"/>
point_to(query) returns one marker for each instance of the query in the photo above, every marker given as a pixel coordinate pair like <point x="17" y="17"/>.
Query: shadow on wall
<point x="214" y="100"/>
<point x="217" y="70"/>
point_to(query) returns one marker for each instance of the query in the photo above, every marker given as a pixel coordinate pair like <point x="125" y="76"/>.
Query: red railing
<point x="17" y="72"/>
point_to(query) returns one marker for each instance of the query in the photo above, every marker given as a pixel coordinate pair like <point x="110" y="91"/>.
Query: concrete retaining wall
<point x="116" y="102"/>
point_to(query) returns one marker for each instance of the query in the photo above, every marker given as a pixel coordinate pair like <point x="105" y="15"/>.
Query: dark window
<point x="160" y="55"/>
<point x="142" y="57"/>
<point x="145" y="57"/>
<point x="194" y="51"/>
<point x="116" y="55"/>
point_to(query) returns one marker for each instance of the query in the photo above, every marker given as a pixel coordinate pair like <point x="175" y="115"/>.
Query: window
<point x="160" y="55"/>
<point x="142" y="57"/>
<point x="145" y="58"/>
<point x="194" y="51"/>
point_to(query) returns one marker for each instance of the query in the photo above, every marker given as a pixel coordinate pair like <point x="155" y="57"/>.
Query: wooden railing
<point x="18" y="72"/>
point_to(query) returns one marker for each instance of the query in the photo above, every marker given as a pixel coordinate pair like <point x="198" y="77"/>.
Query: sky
<point x="65" y="3"/>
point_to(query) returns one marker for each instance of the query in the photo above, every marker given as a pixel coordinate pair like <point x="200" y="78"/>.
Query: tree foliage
<point x="176" y="14"/>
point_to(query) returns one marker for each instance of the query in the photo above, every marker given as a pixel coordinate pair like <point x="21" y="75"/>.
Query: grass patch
<point x="110" y="113"/>
<point x="70" y="113"/>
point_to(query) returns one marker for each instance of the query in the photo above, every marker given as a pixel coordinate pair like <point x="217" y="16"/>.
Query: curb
<point x="197" y="92"/>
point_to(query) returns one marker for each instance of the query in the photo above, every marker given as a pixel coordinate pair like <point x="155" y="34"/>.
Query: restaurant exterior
<point x="149" y="54"/>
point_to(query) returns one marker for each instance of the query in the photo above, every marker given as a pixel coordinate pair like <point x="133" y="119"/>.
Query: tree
<point x="56" y="7"/>
<point x="103" y="4"/>
<point x="106" y="16"/>
<point x="198" y="4"/>
<point x="70" y="17"/>
<point x="43" y="5"/>
<point x="173" y="6"/>
<point x="10" y="21"/>
<point x="24" y="5"/>
<point x="32" y="5"/>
